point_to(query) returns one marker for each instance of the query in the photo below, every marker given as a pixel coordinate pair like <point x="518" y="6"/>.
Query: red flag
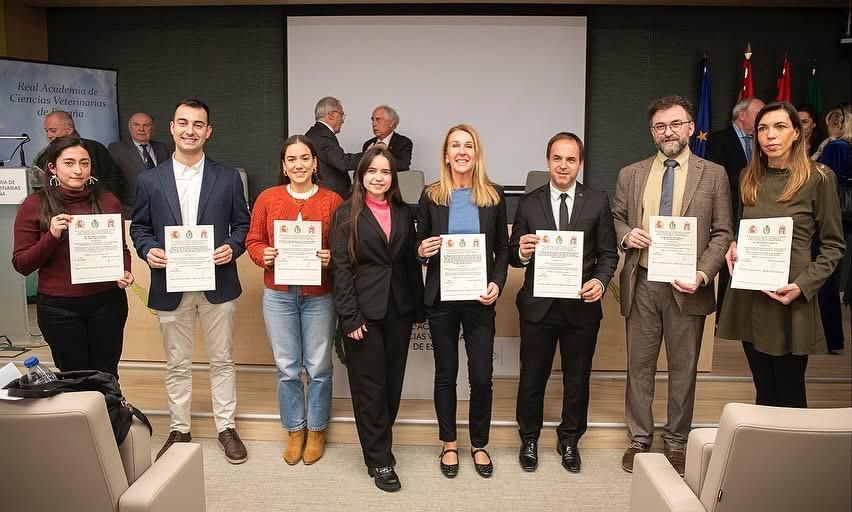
<point x="747" y="89"/>
<point x="783" y="82"/>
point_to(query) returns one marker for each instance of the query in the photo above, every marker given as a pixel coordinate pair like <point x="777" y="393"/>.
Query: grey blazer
<point x="706" y="197"/>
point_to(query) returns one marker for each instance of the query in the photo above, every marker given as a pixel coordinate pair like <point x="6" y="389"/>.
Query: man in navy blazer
<point x="565" y="205"/>
<point x="384" y="121"/>
<point x="190" y="189"/>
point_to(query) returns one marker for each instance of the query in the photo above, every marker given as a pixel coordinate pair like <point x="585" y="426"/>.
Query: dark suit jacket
<point x="725" y="149"/>
<point x="433" y="220"/>
<point x="103" y="168"/>
<point x="334" y="163"/>
<point x="591" y="214"/>
<point x="400" y="147"/>
<point x="706" y="196"/>
<point x="221" y="204"/>
<point x="129" y="160"/>
<point x="385" y="269"/>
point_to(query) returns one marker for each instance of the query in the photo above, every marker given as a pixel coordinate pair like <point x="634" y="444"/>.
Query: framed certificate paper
<point x="297" y="242"/>
<point x="673" y="253"/>
<point x="463" y="271"/>
<point x="189" y="251"/>
<point x="96" y="248"/>
<point x="763" y="254"/>
<point x="558" y="269"/>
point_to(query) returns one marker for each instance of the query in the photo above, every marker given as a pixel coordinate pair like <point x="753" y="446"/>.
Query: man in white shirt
<point x="138" y="152"/>
<point x="384" y="121"/>
<point x="565" y="205"/>
<point x="190" y="189"/>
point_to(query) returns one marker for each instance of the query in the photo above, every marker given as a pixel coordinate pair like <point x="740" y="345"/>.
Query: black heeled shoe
<point x="449" y="470"/>
<point x="484" y="470"/>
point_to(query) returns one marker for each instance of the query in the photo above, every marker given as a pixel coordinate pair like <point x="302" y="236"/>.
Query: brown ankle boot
<point x="295" y="446"/>
<point x="315" y="447"/>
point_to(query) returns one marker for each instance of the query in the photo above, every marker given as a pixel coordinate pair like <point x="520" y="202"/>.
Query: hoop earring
<point x="53" y="181"/>
<point x="91" y="181"/>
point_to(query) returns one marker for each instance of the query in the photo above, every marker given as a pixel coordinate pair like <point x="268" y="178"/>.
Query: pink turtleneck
<point x="382" y="213"/>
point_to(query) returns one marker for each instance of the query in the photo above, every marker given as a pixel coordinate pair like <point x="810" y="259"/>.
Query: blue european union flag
<point x="702" y="119"/>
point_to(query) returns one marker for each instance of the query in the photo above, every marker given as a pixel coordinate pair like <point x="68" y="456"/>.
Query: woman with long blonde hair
<point x="780" y="328"/>
<point x="463" y="201"/>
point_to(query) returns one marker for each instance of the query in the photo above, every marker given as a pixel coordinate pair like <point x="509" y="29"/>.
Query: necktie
<point x="747" y="144"/>
<point x="149" y="162"/>
<point x="667" y="191"/>
<point x="563" y="212"/>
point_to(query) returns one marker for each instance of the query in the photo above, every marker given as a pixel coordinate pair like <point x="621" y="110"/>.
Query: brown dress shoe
<point x="314" y="447"/>
<point x="232" y="445"/>
<point x="174" y="437"/>
<point x="634" y="448"/>
<point x="295" y="446"/>
<point x="676" y="456"/>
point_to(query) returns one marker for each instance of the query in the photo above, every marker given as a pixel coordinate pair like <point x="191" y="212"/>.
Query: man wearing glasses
<point x="334" y="163"/>
<point x="674" y="182"/>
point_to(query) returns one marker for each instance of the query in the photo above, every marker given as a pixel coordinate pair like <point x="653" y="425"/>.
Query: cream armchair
<point x="59" y="453"/>
<point x="759" y="459"/>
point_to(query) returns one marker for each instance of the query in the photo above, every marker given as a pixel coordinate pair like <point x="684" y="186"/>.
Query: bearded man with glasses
<point x="674" y="182"/>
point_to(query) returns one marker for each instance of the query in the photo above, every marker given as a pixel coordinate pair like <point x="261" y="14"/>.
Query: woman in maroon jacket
<point x="82" y="323"/>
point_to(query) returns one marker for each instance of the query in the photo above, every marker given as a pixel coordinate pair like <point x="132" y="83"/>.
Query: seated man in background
<point x="384" y="121"/>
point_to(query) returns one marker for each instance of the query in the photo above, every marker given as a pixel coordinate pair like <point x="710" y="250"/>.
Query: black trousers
<point x="477" y="322"/>
<point x="376" y="367"/>
<point x="574" y="326"/>
<point x="778" y="380"/>
<point x="84" y="333"/>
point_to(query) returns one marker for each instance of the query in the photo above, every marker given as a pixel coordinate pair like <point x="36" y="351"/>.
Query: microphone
<point x="26" y="138"/>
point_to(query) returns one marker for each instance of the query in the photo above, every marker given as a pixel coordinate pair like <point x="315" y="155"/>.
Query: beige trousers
<point x="178" y="329"/>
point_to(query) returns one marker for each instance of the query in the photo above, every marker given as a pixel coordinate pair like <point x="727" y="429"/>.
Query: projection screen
<point x="517" y="80"/>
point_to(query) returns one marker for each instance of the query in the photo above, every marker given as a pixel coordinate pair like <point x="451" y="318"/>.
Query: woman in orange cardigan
<point x="300" y="320"/>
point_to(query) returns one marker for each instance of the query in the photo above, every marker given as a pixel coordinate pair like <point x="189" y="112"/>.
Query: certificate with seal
<point x="673" y="253"/>
<point x="189" y="251"/>
<point x="464" y="275"/>
<point x="95" y="248"/>
<point x="297" y="242"/>
<point x="558" y="269"/>
<point x="763" y="254"/>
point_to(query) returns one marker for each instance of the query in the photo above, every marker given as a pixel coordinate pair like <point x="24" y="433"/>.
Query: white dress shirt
<point x="188" y="181"/>
<point x="142" y="152"/>
<point x="555" y="202"/>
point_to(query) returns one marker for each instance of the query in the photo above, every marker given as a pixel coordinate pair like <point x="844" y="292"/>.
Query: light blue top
<point x="464" y="214"/>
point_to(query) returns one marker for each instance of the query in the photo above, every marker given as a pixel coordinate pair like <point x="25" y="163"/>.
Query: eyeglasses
<point x="342" y="115"/>
<point x="674" y="125"/>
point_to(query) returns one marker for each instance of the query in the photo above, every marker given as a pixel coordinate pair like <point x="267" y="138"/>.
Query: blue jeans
<point x="301" y="332"/>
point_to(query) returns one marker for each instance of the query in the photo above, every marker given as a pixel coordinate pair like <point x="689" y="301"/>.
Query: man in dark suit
<point x="137" y="153"/>
<point x="334" y="163"/>
<point x="566" y="205"/>
<point x="384" y="121"/>
<point x="188" y="190"/>
<point x="731" y="148"/>
<point x="60" y="124"/>
<point x="671" y="182"/>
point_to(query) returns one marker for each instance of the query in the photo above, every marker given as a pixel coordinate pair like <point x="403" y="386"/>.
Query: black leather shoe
<point x="570" y="457"/>
<point x="484" y="470"/>
<point x="449" y="470"/>
<point x="529" y="455"/>
<point x="385" y="478"/>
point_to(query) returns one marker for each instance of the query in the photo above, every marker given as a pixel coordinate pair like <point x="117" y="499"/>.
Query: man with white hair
<point x="731" y="148"/>
<point x="384" y="121"/>
<point x="334" y="163"/>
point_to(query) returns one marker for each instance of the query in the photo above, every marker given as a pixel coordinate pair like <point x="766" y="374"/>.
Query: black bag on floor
<point x="120" y="412"/>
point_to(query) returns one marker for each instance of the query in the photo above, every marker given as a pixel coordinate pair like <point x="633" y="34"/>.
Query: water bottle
<point x="38" y="374"/>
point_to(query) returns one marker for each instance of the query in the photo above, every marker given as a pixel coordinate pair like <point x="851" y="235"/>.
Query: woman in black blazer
<point x="463" y="200"/>
<point x="378" y="292"/>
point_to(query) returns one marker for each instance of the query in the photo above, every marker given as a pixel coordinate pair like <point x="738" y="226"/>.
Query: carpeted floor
<point x="339" y="482"/>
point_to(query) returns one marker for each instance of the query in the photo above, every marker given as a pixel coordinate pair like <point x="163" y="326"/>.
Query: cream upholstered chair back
<point x="774" y="459"/>
<point x="60" y="454"/>
<point x="536" y="179"/>
<point x="411" y="185"/>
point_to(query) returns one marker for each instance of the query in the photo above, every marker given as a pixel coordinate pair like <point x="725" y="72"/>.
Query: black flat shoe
<point x="449" y="470"/>
<point x="385" y="478"/>
<point x="484" y="470"/>
<point x="570" y="457"/>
